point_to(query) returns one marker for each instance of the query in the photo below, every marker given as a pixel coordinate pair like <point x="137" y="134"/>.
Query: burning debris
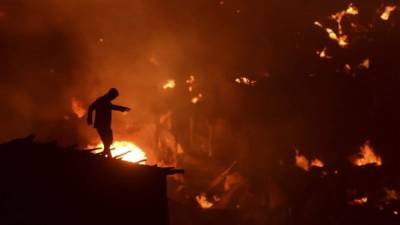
<point x="203" y="123"/>
<point x="323" y="54"/>
<point x="387" y="11"/>
<point x="305" y="164"/>
<point x="359" y="201"/>
<point x="350" y="26"/>
<point x="246" y="81"/>
<point x="365" y="64"/>
<point x="124" y="150"/>
<point x="391" y="195"/>
<point x="339" y="36"/>
<point x="317" y="163"/>
<point x="170" y="84"/>
<point x="366" y="156"/>
<point x="203" y="201"/>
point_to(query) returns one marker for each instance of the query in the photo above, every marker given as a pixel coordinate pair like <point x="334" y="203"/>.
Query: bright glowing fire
<point x="305" y="164"/>
<point x="317" y="163"/>
<point x="78" y="108"/>
<point x="246" y="81"/>
<point x="339" y="37"/>
<point x="388" y="10"/>
<point x="197" y="98"/>
<point x="127" y="150"/>
<point x="203" y="201"/>
<point x="359" y="201"/>
<point x="169" y="85"/>
<point x="366" y="156"/>
<point x="302" y="161"/>
<point x="323" y="54"/>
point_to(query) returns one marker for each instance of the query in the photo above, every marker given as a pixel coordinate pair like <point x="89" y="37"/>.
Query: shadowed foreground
<point x="46" y="184"/>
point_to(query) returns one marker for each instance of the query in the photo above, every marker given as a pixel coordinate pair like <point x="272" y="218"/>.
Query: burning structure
<point x="281" y="113"/>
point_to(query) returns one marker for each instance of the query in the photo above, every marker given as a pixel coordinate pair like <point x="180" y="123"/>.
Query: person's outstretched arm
<point x="90" y="112"/>
<point x="120" y="108"/>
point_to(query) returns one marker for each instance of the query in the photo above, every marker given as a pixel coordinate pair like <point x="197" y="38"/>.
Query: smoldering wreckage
<point x="310" y="149"/>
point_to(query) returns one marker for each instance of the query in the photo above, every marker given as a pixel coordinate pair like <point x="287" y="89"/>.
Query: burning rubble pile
<point x="311" y="141"/>
<point x="361" y="189"/>
<point x="200" y="129"/>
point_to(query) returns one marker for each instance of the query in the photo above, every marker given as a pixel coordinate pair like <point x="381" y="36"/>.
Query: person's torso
<point x="103" y="111"/>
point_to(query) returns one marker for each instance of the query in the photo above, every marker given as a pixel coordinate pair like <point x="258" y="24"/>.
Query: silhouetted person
<point x="102" y="122"/>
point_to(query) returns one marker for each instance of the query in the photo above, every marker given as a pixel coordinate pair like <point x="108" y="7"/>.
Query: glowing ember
<point x="340" y="39"/>
<point x="366" y="156"/>
<point x="77" y="108"/>
<point x="359" y="201"/>
<point x="322" y="54"/>
<point x="365" y="64"/>
<point x="388" y="10"/>
<point x="170" y="84"/>
<point x="197" y="98"/>
<point x="246" y="81"/>
<point x="190" y="82"/>
<point x="352" y="10"/>
<point x="318" y="24"/>
<point x="203" y="202"/>
<point x="129" y="151"/>
<point x="347" y="68"/>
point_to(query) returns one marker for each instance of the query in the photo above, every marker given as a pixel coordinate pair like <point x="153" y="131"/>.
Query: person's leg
<point x="108" y="142"/>
<point x="107" y="150"/>
<point x="107" y="139"/>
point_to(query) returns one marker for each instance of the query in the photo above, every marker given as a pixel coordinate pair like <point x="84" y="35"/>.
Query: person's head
<point x="112" y="93"/>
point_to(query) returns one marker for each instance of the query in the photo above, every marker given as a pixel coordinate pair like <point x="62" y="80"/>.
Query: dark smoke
<point x="42" y="60"/>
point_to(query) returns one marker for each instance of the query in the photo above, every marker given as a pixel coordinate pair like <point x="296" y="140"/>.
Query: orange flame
<point x="351" y="10"/>
<point x="317" y="163"/>
<point x="305" y="164"/>
<point x="131" y="152"/>
<point x="77" y="108"/>
<point x="359" y="201"/>
<point x="339" y="37"/>
<point x="203" y="201"/>
<point x="366" y="156"/>
<point x="388" y="10"/>
<point x="365" y="64"/>
<point x="169" y="85"/>
<point x="302" y="161"/>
